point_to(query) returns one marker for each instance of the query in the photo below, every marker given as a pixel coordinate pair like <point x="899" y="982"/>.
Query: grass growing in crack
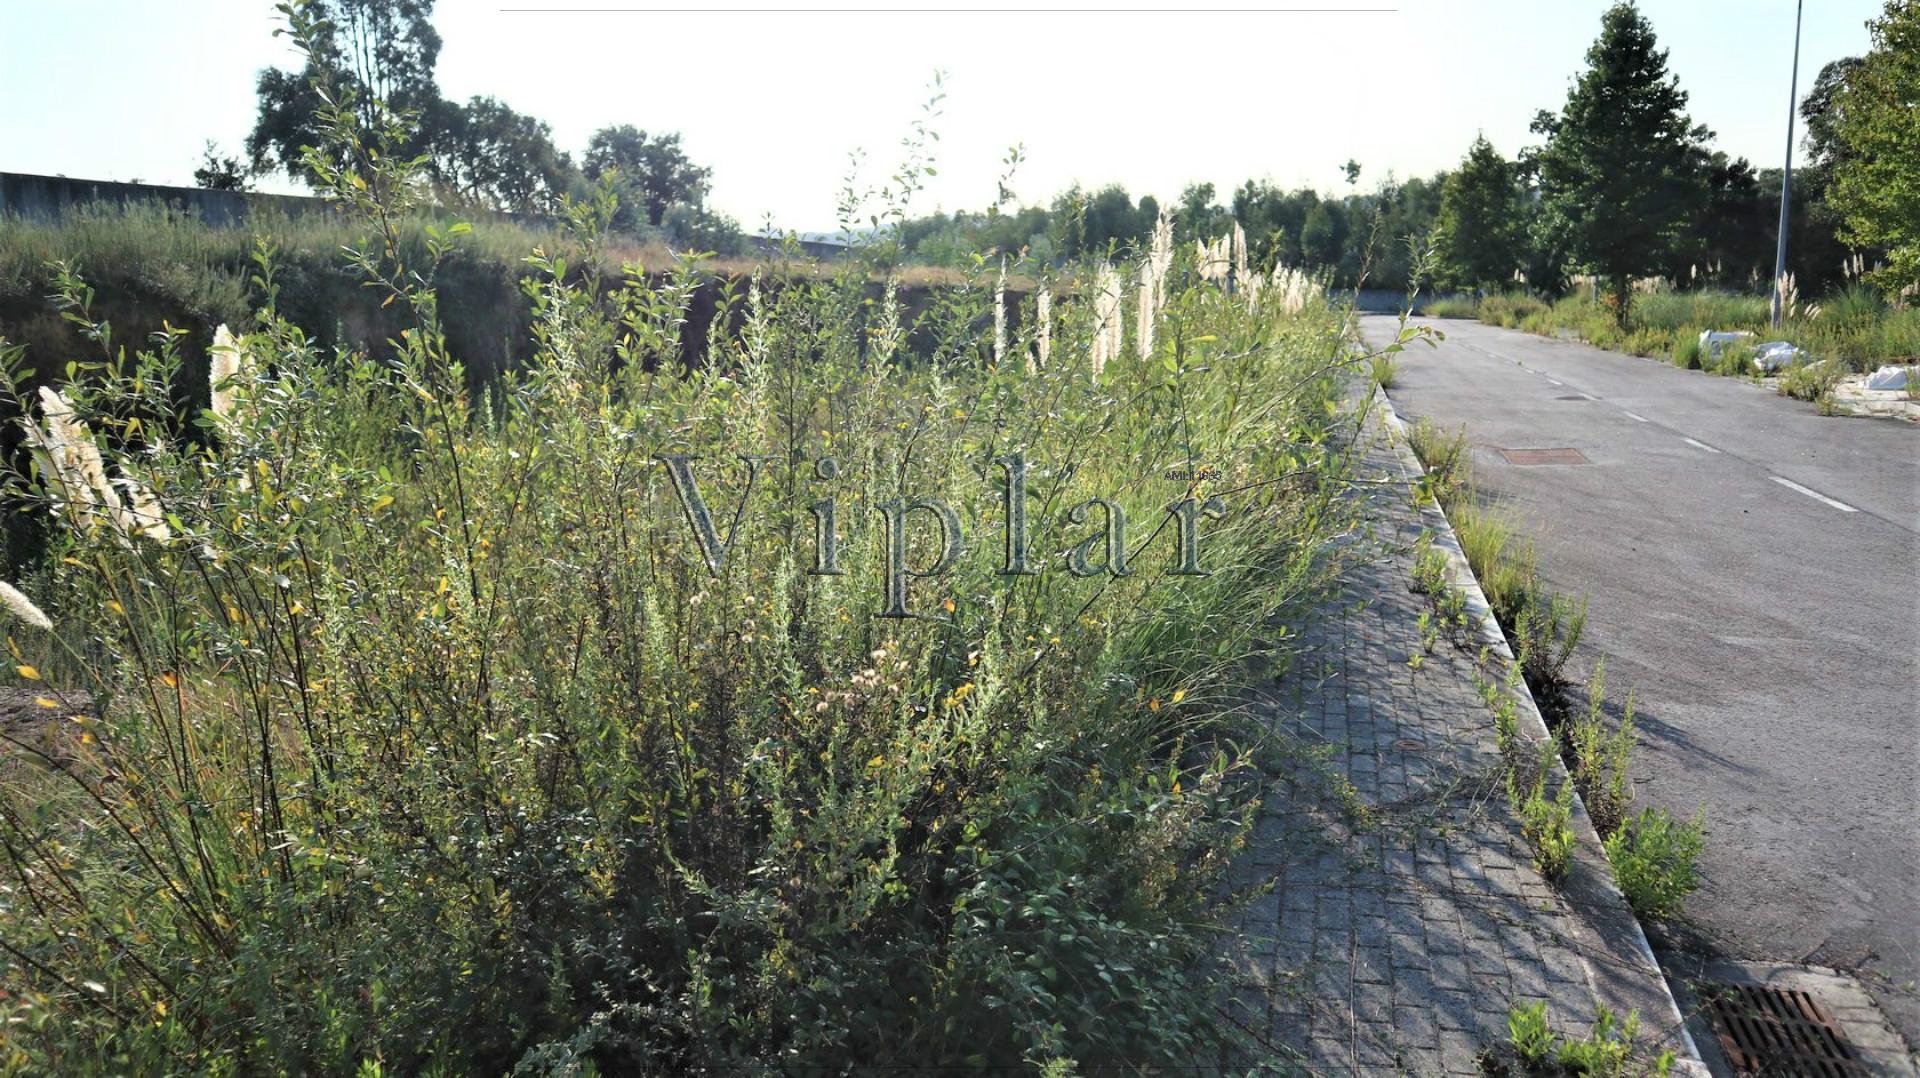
<point x="1382" y="369"/>
<point x="1544" y="818"/>
<point x="1549" y="627"/>
<point x="1597" y="757"/>
<point x="1443" y="453"/>
<point x="1653" y="856"/>
<point x="1655" y="860"/>
<point x="1534" y="1050"/>
<point x="1543" y="627"/>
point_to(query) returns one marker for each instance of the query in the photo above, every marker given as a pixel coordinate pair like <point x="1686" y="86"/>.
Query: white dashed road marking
<point x="1814" y="494"/>
<point x="1590" y="396"/>
<point x="1551" y="382"/>
<point x="1637" y="416"/>
<point x="1700" y="445"/>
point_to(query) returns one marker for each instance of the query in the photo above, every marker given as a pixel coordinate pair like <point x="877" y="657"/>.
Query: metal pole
<point x="1786" y="174"/>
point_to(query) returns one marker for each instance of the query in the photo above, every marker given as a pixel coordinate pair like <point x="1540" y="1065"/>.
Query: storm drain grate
<point x="1544" y="456"/>
<point x="1779" y="1032"/>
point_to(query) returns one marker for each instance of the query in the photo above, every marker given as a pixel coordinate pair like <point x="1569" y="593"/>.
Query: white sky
<point x="773" y="102"/>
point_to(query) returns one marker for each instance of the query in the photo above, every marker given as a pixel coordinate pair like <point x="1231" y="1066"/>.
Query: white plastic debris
<point x="1774" y="355"/>
<point x="1891" y="376"/>
<point x="1712" y="340"/>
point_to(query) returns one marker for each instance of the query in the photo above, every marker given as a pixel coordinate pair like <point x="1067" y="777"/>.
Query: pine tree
<point x="1620" y="175"/>
<point x="1480" y="221"/>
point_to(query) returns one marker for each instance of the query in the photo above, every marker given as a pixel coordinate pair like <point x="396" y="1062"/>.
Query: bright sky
<point x="774" y="100"/>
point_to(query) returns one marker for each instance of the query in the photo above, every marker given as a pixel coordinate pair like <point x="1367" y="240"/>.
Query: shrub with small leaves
<point x="1655" y="862"/>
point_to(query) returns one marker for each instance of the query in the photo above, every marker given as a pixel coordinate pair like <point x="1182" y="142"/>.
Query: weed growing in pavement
<point x="1598" y="757"/>
<point x="1811" y="381"/>
<point x="1382" y="369"/>
<point x="1655" y="860"/>
<point x="1544" y="818"/>
<point x="1544" y="629"/>
<point x="1548" y="629"/>
<point x="1530" y="1035"/>
<point x="1443" y="453"/>
<point x="1534" y="1050"/>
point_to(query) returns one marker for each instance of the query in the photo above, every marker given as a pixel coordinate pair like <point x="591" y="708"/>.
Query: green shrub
<point x="1381" y="368"/>
<point x="1529" y="1035"/>
<point x="1547" y="629"/>
<point x="1607" y="1051"/>
<point x="1810" y="381"/>
<point x="1510" y="310"/>
<point x="1443" y="453"/>
<point x="1598" y="758"/>
<point x="1735" y="360"/>
<point x="1452" y="307"/>
<point x="1687" y="352"/>
<point x="1654" y="862"/>
<point x="1545" y="821"/>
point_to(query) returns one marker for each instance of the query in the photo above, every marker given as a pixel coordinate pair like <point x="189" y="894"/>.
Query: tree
<point x="217" y="173"/>
<point x="1876" y="171"/>
<point x="1620" y="174"/>
<point x="1818" y="115"/>
<point x="1198" y="216"/>
<point x="1323" y="234"/>
<point x="1735" y="237"/>
<point x="379" y="52"/>
<point x="1480" y="221"/>
<point x="654" y="172"/>
<point x="488" y="155"/>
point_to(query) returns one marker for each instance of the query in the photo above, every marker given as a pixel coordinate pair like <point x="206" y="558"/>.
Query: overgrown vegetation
<point x="442" y="729"/>
<point x="1641" y="238"/>
<point x="1855" y="329"/>
<point x="1534" y="1048"/>
<point x="1653" y="858"/>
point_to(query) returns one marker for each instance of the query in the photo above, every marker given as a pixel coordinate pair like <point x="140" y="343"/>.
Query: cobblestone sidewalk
<point x="1406" y="918"/>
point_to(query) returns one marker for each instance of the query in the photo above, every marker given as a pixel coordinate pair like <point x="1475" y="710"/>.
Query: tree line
<point x="481" y="153"/>
<point x="1624" y="185"/>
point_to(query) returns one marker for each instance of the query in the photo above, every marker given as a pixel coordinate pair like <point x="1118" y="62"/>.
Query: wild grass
<point x="440" y="729"/>
<point x="1653" y="858"/>
<point x="1510" y="310"/>
<point x="1382" y="370"/>
<point x="1598" y="757"/>
<point x="1452" y="307"/>
<point x="1854" y="328"/>
<point x="152" y="266"/>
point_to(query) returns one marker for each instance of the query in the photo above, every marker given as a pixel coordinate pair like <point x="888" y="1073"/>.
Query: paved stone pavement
<point x="1406" y="918"/>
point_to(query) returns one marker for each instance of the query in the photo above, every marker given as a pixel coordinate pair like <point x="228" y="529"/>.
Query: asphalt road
<point x="1754" y="576"/>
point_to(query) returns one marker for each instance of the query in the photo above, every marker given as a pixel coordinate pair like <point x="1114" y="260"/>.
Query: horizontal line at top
<point x="950" y="10"/>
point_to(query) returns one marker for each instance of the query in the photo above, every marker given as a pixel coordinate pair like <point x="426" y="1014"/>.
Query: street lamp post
<point x="1786" y="174"/>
